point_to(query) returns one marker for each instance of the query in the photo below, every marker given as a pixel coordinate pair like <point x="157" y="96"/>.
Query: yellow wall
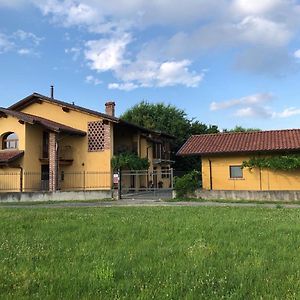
<point x="83" y="161"/>
<point x="252" y="179"/>
<point x="11" y="124"/>
<point x="10" y="177"/>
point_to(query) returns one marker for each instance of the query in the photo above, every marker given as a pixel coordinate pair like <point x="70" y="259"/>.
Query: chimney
<point x="52" y="91"/>
<point x="110" y="108"/>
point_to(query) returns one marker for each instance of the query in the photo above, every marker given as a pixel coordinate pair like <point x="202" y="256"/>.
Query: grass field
<point x="150" y="253"/>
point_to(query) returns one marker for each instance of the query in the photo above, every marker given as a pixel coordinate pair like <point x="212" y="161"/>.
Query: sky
<point x="225" y="62"/>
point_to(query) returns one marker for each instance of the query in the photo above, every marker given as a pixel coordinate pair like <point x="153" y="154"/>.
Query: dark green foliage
<point x="172" y="120"/>
<point x="283" y="162"/>
<point x="242" y="129"/>
<point x="129" y="161"/>
<point x="187" y="184"/>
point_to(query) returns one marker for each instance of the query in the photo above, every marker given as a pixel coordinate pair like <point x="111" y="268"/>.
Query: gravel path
<point x="140" y="202"/>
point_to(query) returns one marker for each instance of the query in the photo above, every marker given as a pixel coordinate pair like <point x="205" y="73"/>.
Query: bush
<point x="187" y="184"/>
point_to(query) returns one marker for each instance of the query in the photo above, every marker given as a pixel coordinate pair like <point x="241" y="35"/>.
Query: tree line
<point x="174" y="121"/>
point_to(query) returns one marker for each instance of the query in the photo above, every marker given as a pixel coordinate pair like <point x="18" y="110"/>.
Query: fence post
<point x="172" y="178"/>
<point x="21" y="180"/>
<point x="84" y="180"/>
<point x="119" y="184"/>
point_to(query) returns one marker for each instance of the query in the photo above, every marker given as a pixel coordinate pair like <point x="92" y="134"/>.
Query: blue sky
<point x="226" y="62"/>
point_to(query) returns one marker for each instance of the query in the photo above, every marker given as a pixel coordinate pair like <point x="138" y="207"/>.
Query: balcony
<point x="162" y="157"/>
<point x="65" y="155"/>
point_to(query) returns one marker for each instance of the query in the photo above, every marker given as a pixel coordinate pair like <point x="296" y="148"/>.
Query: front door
<point x="45" y="177"/>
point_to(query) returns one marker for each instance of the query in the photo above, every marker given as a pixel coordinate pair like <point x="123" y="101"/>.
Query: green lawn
<point x="150" y="253"/>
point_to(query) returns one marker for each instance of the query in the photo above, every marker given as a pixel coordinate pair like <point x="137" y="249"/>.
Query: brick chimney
<point x="110" y="108"/>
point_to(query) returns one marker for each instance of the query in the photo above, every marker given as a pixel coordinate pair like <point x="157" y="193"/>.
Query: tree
<point x="172" y="120"/>
<point x="242" y="129"/>
<point x="129" y="161"/>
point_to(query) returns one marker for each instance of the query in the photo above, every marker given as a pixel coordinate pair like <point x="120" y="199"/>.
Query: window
<point x="157" y="151"/>
<point x="10" y="141"/>
<point x="236" y="172"/>
<point x="165" y="172"/>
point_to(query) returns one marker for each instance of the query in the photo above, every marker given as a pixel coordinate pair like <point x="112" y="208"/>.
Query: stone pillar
<point x="53" y="163"/>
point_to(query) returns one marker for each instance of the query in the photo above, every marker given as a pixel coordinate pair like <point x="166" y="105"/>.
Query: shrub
<point x="187" y="184"/>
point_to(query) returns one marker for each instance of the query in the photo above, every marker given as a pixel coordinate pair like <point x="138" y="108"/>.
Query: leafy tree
<point x="129" y="161"/>
<point x="242" y="129"/>
<point x="172" y="120"/>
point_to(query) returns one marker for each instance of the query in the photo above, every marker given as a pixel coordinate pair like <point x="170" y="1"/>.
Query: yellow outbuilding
<point x="223" y="155"/>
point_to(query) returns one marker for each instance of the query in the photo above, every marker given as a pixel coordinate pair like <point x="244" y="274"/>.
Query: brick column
<point x="52" y="162"/>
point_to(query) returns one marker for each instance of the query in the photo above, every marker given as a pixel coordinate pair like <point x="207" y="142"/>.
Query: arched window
<point x="10" y="141"/>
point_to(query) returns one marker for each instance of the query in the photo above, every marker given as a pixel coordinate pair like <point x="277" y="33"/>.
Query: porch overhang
<point x="9" y="156"/>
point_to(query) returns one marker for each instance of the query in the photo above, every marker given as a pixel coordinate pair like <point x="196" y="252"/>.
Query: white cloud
<point x="92" y="80"/>
<point x="261" y="31"/>
<point x="69" y="12"/>
<point x="128" y="86"/>
<point x="74" y="51"/>
<point x="254" y="112"/>
<point x="20" y="42"/>
<point x="176" y="72"/>
<point x="266" y="25"/>
<point x="297" y="54"/>
<point x="5" y="43"/>
<point x="109" y="55"/>
<point x="105" y="55"/>
<point x="256" y="7"/>
<point x="255" y="99"/>
<point x="28" y="36"/>
<point x="254" y="106"/>
<point x="25" y="51"/>
<point x="288" y="112"/>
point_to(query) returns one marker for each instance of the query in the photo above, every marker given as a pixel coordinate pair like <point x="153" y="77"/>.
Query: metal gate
<point x="145" y="184"/>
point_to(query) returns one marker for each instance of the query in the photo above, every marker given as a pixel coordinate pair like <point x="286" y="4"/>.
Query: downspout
<point x="260" y="179"/>
<point x="210" y="175"/>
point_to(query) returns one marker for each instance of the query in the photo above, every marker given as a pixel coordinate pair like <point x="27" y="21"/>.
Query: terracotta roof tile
<point x="7" y="156"/>
<point x="243" y="142"/>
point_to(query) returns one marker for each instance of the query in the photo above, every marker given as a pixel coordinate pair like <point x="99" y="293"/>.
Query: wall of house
<point x="10" y="176"/>
<point x="32" y="164"/>
<point x="83" y="161"/>
<point x="11" y="124"/>
<point x="255" y="180"/>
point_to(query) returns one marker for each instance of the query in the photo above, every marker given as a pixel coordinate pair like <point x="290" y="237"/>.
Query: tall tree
<point x="171" y="120"/>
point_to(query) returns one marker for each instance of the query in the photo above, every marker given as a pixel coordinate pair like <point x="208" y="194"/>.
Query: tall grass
<point x="150" y="253"/>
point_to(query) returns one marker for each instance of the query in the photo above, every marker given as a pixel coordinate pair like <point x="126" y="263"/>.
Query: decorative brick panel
<point x="98" y="136"/>
<point x="53" y="164"/>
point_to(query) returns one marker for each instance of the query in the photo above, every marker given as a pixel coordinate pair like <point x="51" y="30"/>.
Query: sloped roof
<point x="243" y="142"/>
<point x="35" y="97"/>
<point x="51" y="125"/>
<point x="7" y="156"/>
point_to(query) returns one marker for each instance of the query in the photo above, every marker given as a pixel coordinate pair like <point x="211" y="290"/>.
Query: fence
<point x="67" y="181"/>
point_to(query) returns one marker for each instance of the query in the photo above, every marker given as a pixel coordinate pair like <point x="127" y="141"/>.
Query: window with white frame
<point x="236" y="172"/>
<point x="10" y="141"/>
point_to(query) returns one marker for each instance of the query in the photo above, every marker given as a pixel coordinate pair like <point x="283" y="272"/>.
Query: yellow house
<point x="48" y="144"/>
<point x="223" y="154"/>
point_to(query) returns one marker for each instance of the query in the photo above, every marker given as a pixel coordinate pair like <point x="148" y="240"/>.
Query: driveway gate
<point x="144" y="184"/>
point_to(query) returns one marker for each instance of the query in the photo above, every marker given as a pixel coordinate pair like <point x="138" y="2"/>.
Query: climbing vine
<point x="280" y="162"/>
